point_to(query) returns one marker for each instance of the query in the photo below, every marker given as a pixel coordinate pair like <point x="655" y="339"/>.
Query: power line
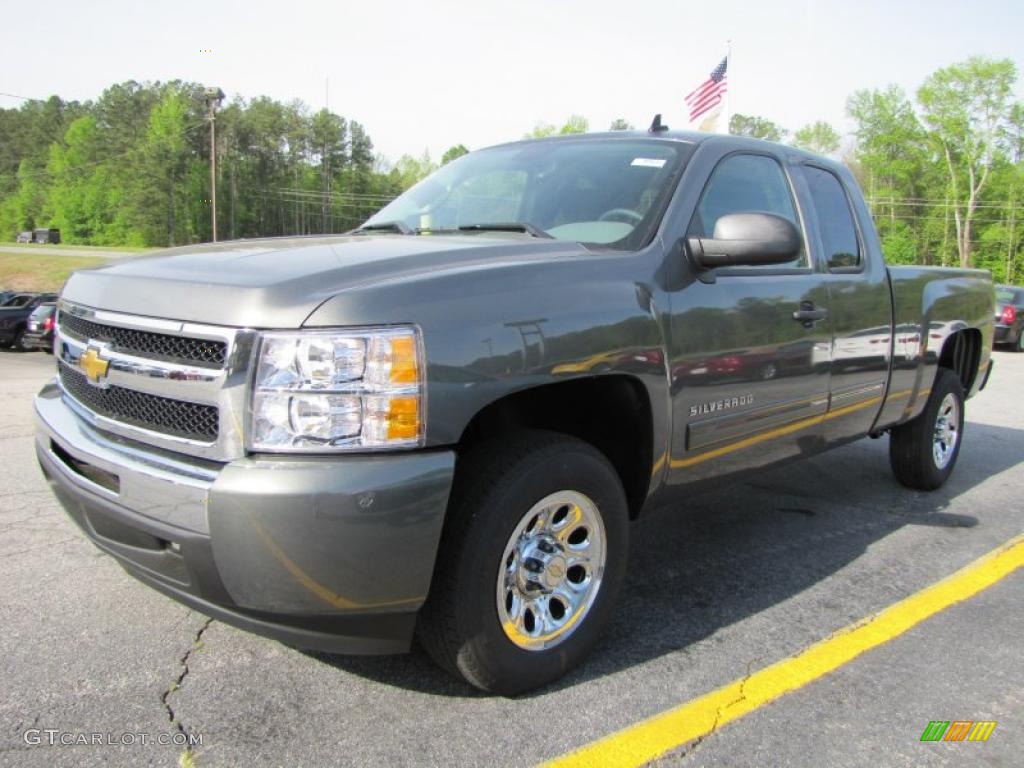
<point x="23" y="98"/>
<point x="912" y="202"/>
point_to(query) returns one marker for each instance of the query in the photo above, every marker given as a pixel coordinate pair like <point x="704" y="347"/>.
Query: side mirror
<point x="747" y="239"/>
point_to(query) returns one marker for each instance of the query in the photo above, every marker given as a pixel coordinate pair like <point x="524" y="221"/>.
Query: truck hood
<point x="278" y="282"/>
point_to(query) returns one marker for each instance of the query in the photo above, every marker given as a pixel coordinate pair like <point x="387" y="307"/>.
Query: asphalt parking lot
<point x="750" y="574"/>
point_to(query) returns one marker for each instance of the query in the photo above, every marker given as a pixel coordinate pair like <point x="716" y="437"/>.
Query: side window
<point x="743" y="184"/>
<point x="835" y="219"/>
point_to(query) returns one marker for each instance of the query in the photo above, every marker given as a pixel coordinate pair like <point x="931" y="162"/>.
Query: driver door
<point x="748" y="380"/>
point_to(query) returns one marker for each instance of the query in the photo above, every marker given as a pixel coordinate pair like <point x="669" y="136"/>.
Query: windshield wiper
<point x="512" y="226"/>
<point x="385" y="226"/>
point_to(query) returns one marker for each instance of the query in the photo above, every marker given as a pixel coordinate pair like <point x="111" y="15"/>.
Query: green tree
<point x="409" y="170"/>
<point x="619" y="124"/>
<point x="542" y="131"/>
<point x="756" y="128"/>
<point x="819" y="137"/>
<point x="966" y="108"/>
<point x="162" y="163"/>
<point x="1014" y="133"/>
<point x="892" y="155"/>
<point x="575" y="124"/>
<point x="330" y="146"/>
<point x="454" y="152"/>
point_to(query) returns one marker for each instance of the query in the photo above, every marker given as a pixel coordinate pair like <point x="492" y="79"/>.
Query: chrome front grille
<point x="160" y="414"/>
<point x="177" y="386"/>
<point x="148" y="344"/>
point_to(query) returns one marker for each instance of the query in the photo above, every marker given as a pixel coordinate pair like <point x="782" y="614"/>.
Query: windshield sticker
<point x="648" y="162"/>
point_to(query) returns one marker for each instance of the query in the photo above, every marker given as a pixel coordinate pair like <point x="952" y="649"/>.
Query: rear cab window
<point x="839" y="240"/>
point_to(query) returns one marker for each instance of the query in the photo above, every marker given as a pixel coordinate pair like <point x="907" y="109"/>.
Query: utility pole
<point x="213" y="97"/>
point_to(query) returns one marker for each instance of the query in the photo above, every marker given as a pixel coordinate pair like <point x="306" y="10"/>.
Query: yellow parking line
<point x="647" y="740"/>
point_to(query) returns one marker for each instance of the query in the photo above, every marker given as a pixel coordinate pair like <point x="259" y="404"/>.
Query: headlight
<point x="319" y="391"/>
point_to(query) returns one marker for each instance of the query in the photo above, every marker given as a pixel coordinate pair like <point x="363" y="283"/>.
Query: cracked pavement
<point x="754" y="572"/>
<point x="196" y="645"/>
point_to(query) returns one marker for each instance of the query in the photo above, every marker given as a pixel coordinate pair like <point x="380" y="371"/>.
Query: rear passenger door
<point x="860" y="305"/>
<point x="749" y="380"/>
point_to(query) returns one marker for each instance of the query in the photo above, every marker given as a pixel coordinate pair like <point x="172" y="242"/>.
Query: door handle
<point x="808" y="315"/>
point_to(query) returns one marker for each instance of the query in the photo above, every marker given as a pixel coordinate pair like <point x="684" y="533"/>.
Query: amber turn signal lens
<point x="403" y="360"/>
<point x="404" y="417"/>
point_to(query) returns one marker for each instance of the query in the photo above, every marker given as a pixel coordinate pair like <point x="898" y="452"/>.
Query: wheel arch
<point x="961" y="353"/>
<point x="611" y="412"/>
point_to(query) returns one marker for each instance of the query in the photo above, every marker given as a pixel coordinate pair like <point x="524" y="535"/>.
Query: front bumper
<point x="333" y="554"/>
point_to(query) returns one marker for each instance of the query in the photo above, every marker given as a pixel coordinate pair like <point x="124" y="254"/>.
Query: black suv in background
<point x="39" y="328"/>
<point x="15" y="299"/>
<point x="14" y="318"/>
<point x="1010" y="316"/>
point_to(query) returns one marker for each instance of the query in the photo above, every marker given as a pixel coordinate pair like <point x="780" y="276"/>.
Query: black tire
<point x="496" y="485"/>
<point x="18" y="345"/>
<point x="912" y="445"/>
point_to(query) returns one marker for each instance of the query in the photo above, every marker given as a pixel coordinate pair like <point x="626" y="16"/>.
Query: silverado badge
<point x="720" y="405"/>
<point x="95" y="367"/>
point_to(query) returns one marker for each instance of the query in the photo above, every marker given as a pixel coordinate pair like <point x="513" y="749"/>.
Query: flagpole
<point x="728" y="89"/>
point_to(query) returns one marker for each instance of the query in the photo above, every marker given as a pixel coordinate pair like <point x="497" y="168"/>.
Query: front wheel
<point x="532" y="557"/>
<point x="923" y="451"/>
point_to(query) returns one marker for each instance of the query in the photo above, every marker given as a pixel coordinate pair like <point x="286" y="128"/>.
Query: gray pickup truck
<point x="441" y="424"/>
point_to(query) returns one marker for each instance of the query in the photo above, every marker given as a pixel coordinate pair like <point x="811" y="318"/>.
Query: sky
<point x="426" y="75"/>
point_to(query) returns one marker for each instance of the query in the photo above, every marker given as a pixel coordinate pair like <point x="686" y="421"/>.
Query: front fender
<point x="493" y="330"/>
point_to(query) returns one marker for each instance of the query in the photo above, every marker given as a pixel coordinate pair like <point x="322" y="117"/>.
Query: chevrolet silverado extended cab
<point x="441" y="424"/>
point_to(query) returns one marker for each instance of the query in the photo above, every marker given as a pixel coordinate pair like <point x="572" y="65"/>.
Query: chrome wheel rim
<point x="947" y="431"/>
<point x="551" y="570"/>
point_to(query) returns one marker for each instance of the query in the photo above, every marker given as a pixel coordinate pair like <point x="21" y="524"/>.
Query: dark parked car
<point x="14" y="320"/>
<point x="39" y="328"/>
<point x="24" y="237"/>
<point x="1010" y="316"/>
<point x="13" y="299"/>
<point x="46" y="236"/>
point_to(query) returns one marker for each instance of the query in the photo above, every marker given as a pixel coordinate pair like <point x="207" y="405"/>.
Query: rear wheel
<point x="19" y="342"/>
<point x="533" y="555"/>
<point x="923" y="451"/>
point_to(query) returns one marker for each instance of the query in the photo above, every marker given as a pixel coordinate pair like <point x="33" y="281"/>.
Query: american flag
<point x="708" y="94"/>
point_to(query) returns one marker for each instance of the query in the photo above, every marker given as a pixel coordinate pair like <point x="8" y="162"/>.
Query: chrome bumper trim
<point x="160" y="487"/>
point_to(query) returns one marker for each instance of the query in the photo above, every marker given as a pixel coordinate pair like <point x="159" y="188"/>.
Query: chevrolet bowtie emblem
<point x="95" y="367"/>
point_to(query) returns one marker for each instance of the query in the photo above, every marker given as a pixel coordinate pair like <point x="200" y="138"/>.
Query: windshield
<point x="609" y="192"/>
<point x="1005" y="294"/>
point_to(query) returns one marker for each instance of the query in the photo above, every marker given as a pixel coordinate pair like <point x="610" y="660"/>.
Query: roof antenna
<point x="656" y="126"/>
